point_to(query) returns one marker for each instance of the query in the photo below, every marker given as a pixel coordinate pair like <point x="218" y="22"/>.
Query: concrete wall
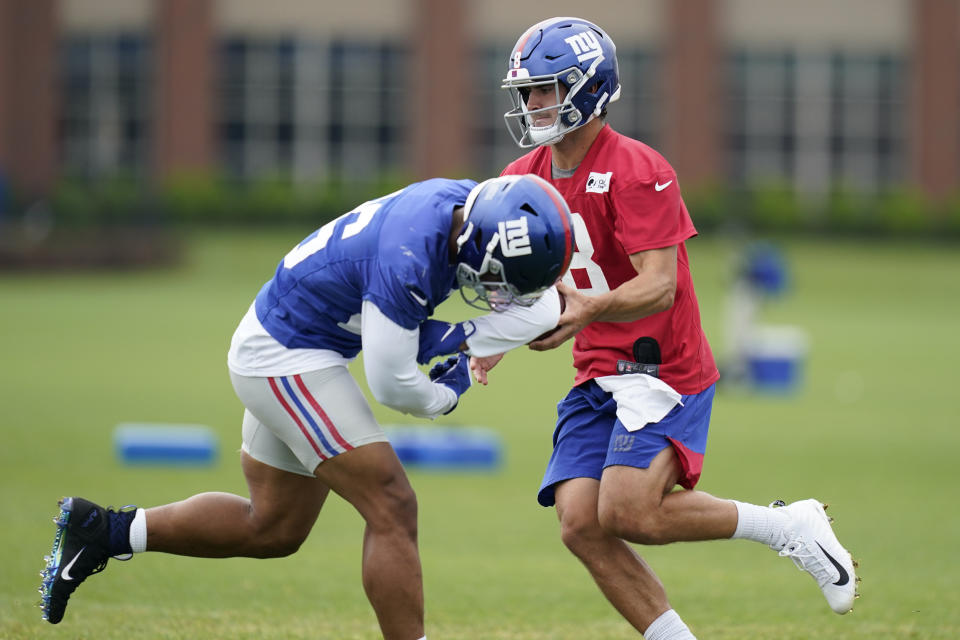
<point x="817" y="24"/>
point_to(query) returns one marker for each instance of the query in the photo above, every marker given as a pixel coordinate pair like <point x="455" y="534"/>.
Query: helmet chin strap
<point x="541" y="136"/>
<point x="548" y="136"/>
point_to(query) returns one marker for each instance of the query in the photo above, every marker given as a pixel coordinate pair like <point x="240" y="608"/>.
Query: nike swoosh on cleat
<point x="844" y="577"/>
<point x="66" y="570"/>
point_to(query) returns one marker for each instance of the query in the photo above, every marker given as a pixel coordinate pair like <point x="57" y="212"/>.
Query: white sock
<point x="668" y="626"/>
<point x="138" y="532"/>
<point x="760" y="524"/>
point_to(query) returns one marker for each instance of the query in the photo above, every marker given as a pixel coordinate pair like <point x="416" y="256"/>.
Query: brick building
<point x="865" y="92"/>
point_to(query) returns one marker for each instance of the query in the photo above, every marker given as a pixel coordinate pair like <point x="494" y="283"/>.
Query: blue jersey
<point x="392" y="251"/>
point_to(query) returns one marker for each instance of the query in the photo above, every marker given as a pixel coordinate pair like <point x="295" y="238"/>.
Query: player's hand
<point x="575" y="316"/>
<point x="453" y="372"/>
<point x="442" y="338"/>
<point x="480" y="366"/>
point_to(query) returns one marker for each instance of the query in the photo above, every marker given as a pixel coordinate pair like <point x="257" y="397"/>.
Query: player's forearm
<point x="395" y="380"/>
<point x="498" y="332"/>
<point x="651" y="291"/>
<point x="637" y="298"/>
<point x="413" y="393"/>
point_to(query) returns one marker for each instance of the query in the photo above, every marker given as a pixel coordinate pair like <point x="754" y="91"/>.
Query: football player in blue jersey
<point x="368" y="281"/>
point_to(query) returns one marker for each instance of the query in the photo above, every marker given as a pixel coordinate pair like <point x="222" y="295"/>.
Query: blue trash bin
<point x="775" y="356"/>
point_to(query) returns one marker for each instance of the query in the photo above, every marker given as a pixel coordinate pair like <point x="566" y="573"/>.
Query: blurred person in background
<point x="635" y="424"/>
<point x="368" y="281"/>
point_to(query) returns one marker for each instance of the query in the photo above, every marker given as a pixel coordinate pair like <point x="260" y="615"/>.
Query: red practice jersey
<point x="624" y="198"/>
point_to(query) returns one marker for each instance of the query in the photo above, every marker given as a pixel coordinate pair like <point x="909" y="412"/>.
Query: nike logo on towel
<point x="66" y="570"/>
<point x="844" y="578"/>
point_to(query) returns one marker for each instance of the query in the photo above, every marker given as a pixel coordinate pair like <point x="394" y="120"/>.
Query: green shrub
<point x="904" y="211"/>
<point x="207" y="198"/>
<point x="846" y="210"/>
<point x="709" y="205"/>
<point x="950" y="216"/>
<point x="116" y="201"/>
<point x="775" y="206"/>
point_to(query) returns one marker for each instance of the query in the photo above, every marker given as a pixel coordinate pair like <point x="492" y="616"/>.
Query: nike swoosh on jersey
<point x="661" y="187"/>
<point x="65" y="574"/>
<point x="418" y="298"/>
<point x="844" y="578"/>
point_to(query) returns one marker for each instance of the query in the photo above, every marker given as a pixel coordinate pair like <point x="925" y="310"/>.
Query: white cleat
<point x="810" y="542"/>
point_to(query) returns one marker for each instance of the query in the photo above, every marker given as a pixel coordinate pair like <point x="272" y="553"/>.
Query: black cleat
<point x="80" y="549"/>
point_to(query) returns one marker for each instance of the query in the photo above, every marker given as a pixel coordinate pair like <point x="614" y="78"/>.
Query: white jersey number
<point x="364" y="215"/>
<point x="583" y="260"/>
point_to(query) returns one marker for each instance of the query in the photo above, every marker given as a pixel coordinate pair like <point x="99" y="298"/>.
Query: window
<point x="815" y="120"/>
<point x="104" y="107"/>
<point x="309" y="109"/>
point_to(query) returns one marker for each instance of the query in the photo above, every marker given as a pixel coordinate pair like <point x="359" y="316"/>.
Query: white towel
<point x="641" y="399"/>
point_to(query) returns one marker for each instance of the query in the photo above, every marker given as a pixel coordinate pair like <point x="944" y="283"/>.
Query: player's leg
<point x="572" y="482"/>
<point x="283" y="441"/>
<point x="621" y="574"/>
<point x="638" y="503"/>
<point x="326" y="422"/>
<point x="273" y="522"/>
<point x="285" y="499"/>
<point x="372" y="479"/>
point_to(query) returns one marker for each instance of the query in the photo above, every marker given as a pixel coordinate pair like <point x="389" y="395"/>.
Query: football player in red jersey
<point x="635" y="424"/>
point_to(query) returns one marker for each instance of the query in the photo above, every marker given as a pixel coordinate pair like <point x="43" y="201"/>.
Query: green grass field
<point x="873" y="430"/>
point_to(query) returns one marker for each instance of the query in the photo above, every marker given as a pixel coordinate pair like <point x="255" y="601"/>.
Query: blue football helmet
<point x="517" y="240"/>
<point x="571" y="52"/>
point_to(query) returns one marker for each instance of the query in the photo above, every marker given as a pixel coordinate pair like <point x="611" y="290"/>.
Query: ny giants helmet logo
<point x="585" y="45"/>
<point x="514" y="238"/>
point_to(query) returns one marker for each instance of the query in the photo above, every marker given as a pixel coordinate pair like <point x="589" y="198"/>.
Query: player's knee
<point x="579" y="534"/>
<point x="285" y="546"/>
<point x="396" y="507"/>
<point x="635" y="523"/>
<point x="404" y="504"/>
<point x="278" y="541"/>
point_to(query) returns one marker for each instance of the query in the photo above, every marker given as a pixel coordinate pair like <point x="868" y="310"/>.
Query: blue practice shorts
<point x="590" y="438"/>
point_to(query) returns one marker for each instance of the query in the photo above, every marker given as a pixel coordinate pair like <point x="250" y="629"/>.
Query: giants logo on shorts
<point x="623" y="442"/>
<point x="585" y="45"/>
<point x="514" y="238"/>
